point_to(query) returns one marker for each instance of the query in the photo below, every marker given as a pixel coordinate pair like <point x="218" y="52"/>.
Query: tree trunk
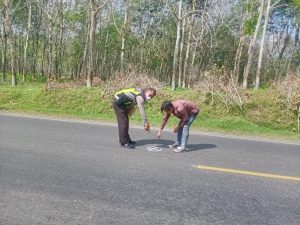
<point x="49" y="53"/>
<point x="36" y="46"/>
<point x="237" y="62"/>
<point x="60" y="50"/>
<point x="83" y="61"/>
<point x="238" y="55"/>
<point x="93" y="10"/>
<point x="198" y="42"/>
<point x="44" y="58"/>
<point x="10" y="41"/>
<point x="26" y="42"/>
<point x="19" y="55"/>
<point x="143" y="50"/>
<point x="103" y="63"/>
<point x="90" y="44"/>
<point x="257" y="80"/>
<point x="124" y="33"/>
<point x="251" y="46"/>
<point x="187" y="53"/>
<point x="176" y="50"/>
<point x="181" y="53"/>
<point x="4" y="52"/>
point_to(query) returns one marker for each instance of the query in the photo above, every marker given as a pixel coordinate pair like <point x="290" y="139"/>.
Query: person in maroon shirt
<point x="187" y="112"/>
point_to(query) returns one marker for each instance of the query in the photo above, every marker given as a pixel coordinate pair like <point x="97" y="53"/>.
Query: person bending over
<point x="187" y="112"/>
<point x="124" y="105"/>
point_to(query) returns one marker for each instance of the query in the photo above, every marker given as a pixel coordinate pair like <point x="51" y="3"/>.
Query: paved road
<point x="68" y="173"/>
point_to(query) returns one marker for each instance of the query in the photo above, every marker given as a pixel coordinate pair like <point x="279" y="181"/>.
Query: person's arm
<point x="163" y="124"/>
<point x="140" y="103"/>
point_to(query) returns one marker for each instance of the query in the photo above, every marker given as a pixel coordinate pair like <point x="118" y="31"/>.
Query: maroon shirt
<point x="182" y="110"/>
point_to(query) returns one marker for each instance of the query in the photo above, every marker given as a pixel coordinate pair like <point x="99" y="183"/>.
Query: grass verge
<point x="83" y="103"/>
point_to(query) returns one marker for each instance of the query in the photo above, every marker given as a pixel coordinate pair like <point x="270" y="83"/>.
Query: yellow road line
<point x="250" y="173"/>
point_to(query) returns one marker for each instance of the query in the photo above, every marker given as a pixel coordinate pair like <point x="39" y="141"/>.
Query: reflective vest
<point x="127" y="97"/>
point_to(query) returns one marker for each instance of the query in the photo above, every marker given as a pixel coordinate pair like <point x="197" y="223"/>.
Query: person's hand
<point x="147" y="127"/>
<point x="175" y="129"/>
<point x="158" y="135"/>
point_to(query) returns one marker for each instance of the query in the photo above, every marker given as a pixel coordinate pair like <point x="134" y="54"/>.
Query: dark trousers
<point x="123" y="123"/>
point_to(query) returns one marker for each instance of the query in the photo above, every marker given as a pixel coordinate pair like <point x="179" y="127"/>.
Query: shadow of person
<point x="196" y="147"/>
<point x="162" y="143"/>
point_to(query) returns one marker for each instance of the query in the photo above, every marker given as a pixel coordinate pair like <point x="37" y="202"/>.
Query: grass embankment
<point x="263" y="116"/>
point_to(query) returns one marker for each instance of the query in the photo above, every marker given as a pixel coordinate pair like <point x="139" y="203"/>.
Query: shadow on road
<point x="163" y="143"/>
<point x="196" y="147"/>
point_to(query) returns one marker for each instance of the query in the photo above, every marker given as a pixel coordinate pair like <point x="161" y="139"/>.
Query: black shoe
<point x="132" y="142"/>
<point x="127" y="145"/>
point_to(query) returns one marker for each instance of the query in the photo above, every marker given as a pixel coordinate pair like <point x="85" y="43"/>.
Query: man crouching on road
<point x="124" y="104"/>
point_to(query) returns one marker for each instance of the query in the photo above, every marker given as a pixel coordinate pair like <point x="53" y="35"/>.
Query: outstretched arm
<point x="140" y="103"/>
<point x="164" y="122"/>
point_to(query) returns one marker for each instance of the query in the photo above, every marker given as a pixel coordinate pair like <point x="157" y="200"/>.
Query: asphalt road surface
<point x="68" y="173"/>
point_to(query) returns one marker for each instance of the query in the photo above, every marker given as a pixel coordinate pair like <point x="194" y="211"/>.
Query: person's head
<point x="167" y="107"/>
<point x="149" y="93"/>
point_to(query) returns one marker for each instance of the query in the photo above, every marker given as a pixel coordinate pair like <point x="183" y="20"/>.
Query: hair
<point x="150" y="89"/>
<point x="166" y="105"/>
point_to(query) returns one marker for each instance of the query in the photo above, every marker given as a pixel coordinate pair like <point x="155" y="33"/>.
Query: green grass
<point x="263" y="116"/>
<point x="81" y="103"/>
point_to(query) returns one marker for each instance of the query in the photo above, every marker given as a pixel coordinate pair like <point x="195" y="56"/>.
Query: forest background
<point x="238" y="59"/>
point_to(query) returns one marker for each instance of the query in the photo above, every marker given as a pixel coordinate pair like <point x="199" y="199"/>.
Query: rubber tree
<point x="189" y="43"/>
<point x="29" y="5"/>
<point x="176" y="49"/>
<point x="124" y="34"/>
<point x="3" y="47"/>
<point x="262" y="43"/>
<point x="252" y="44"/>
<point x="10" y="39"/>
<point x="93" y="9"/>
